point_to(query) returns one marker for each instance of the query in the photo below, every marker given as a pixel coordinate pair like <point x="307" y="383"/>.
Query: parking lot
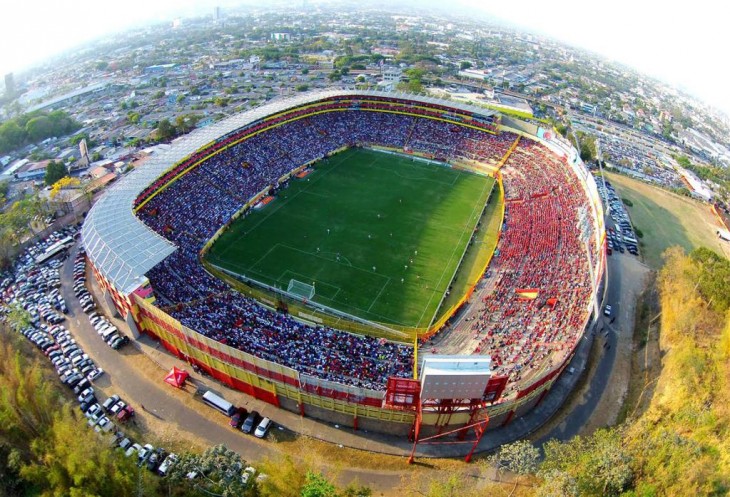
<point x="620" y="235"/>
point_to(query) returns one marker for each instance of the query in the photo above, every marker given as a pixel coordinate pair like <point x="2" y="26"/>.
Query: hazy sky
<point x="683" y="43"/>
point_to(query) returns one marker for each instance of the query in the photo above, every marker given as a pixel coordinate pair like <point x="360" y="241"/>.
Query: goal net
<point x="300" y="289"/>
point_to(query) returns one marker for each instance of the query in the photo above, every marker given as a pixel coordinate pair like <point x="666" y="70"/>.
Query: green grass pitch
<point x="378" y="235"/>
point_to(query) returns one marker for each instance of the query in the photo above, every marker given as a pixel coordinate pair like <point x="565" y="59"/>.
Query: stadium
<point x="385" y="261"/>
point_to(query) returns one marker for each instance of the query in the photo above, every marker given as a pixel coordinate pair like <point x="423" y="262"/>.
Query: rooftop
<point x="123" y="248"/>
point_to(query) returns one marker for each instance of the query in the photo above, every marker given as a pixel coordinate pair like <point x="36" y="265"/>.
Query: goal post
<point x="300" y="289"/>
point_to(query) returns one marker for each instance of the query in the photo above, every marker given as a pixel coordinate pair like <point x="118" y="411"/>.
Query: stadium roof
<point x="123" y="248"/>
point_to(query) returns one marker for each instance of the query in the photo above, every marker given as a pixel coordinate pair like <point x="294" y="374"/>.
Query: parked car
<point x="94" y="374"/>
<point x="167" y="464"/>
<point x="145" y="454"/>
<point x="108" y="403"/>
<point x="155" y="459"/>
<point x="126" y="413"/>
<point x="105" y="424"/>
<point x="93" y="409"/>
<point x="238" y="418"/>
<point x="250" y="423"/>
<point x="114" y="410"/>
<point x="262" y="428"/>
<point x="131" y="450"/>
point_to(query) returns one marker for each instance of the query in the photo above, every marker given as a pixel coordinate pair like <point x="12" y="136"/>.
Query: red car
<point x="126" y="413"/>
<point x="237" y="419"/>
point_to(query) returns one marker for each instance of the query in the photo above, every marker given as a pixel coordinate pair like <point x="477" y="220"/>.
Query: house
<point x="32" y="170"/>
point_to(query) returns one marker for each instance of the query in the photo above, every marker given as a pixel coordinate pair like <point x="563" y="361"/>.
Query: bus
<point x="54" y="250"/>
<point x="219" y="403"/>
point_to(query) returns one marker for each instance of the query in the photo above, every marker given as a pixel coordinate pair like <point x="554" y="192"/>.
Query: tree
<point x="4" y="190"/>
<point x="39" y="128"/>
<point x="64" y="189"/>
<point x="133" y="117"/>
<point x="519" y="457"/>
<point x="412" y="86"/>
<point x="76" y="139"/>
<point x="683" y="161"/>
<point x="218" y="473"/>
<point x="557" y="484"/>
<point x="18" y="318"/>
<point x="54" y="172"/>
<point x="599" y="464"/>
<point x="316" y="485"/>
<point x="76" y="462"/>
<point x="465" y="64"/>
<point x="27" y="128"/>
<point x="713" y="280"/>
<point x="12" y="136"/>
<point x="165" y="130"/>
<point x="10" y="464"/>
<point x="587" y="147"/>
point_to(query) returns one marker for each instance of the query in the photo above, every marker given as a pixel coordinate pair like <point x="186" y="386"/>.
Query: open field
<point x="380" y="236"/>
<point x="667" y="219"/>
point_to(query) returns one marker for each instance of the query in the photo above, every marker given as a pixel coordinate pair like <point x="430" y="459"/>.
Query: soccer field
<point x="379" y="236"/>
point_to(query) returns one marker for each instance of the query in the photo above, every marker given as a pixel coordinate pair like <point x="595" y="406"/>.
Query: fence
<point x="268" y="381"/>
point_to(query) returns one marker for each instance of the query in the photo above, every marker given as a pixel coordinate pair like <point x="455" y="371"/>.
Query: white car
<point x="96" y="408"/>
<point x="165" y="466"/>
<point x="95" y="373"/>
<point x="134" y="448"/>
<point x="85" y="392"/>
<point x="247" y="474"/>
<point x="105" y="424"/>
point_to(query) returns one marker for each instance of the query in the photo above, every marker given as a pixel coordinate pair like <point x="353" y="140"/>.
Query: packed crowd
<point x="193" y="208"/>
<point x="538" y="252"/>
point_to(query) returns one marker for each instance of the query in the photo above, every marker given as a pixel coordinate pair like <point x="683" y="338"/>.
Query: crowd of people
<point x="532" y="319"/>
<point x="195" y="206"/>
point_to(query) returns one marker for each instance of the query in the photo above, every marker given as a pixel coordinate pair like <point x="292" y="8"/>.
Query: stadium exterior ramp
<point x="122" y="250"/>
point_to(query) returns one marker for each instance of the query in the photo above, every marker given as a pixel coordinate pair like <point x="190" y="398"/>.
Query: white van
<point x="262" y="428"/>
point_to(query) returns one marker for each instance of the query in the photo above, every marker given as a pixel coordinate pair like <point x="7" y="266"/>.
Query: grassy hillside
<point x="680" y="445"/>
<point x="667" y="219"/>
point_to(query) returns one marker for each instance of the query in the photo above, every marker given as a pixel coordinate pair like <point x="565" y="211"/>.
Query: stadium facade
<point x="122" y="250"/>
